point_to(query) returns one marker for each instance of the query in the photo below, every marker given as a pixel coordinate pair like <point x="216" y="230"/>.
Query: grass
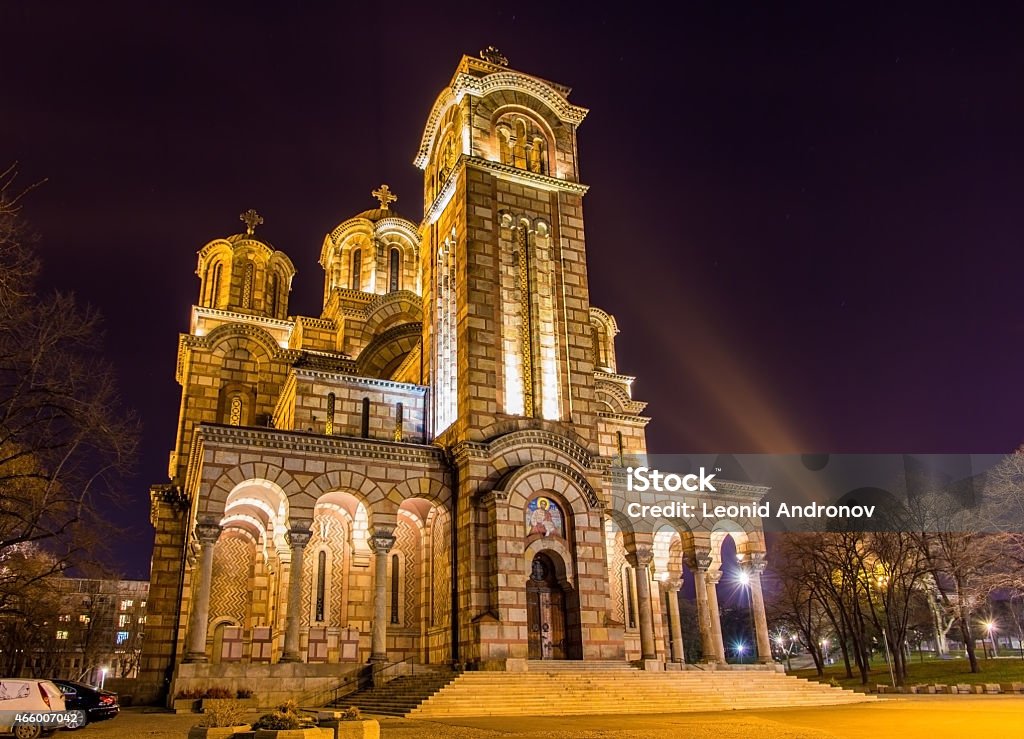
<point x="951" y="671"/>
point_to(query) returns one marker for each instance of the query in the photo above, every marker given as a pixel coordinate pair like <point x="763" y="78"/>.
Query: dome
<point x="377" y="214"/>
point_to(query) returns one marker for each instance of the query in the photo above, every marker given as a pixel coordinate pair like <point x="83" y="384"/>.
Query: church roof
<point x="378" y="214"/>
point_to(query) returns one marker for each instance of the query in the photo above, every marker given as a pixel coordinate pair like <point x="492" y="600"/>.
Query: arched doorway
<point x="545" y="609"/>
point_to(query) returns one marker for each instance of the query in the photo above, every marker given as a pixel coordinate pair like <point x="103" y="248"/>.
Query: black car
<point x="96" y="703"/>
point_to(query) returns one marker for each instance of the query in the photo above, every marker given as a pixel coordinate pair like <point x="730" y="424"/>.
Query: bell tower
<point x="507" y="330"/>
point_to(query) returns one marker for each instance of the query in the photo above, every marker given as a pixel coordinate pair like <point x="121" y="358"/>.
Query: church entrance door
<point x="545" y="609"/>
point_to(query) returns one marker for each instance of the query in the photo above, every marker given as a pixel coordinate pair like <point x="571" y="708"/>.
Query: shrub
<point x="277" y="720"/>
<point x="243" y="693"/>
<point x="227" y="713"/>
<point x="289" y="706"/>
<point x="190" y="694"/>
<point x="217" y="692"/>
<point x="351" y="714"/>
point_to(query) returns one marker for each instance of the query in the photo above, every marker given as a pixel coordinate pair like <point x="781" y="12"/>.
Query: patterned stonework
<point x="232" y="565"/>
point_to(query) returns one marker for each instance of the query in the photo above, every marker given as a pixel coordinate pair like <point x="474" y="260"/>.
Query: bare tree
<point x="63" y="441"/>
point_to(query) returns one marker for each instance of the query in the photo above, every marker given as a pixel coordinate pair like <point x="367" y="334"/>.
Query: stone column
<point x="207" y="533"/>
<point x="712" y="578"/>
<point x="641" y="560"/>
<point x="764" y="647"/>
<point x="381" y="543"/>
<point x="675" y="629"/>
<point x="297" y="540"/>
<point x="699" y="564"/>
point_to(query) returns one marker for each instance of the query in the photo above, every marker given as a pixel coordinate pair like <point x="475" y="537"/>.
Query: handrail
<point x="353" y="682"/>
<point x="386" y="673"/>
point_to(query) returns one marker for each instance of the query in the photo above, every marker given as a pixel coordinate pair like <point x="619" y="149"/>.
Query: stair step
<point x="593" y="688"/>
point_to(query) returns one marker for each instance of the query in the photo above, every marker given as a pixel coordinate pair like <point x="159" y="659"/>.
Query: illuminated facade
<point x="421" y="472"/>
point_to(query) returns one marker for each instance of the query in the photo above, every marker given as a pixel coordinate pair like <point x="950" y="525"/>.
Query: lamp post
<point x="991" y="628"/>
<point x="740" y="648"/>
<point x="103" y="677"/>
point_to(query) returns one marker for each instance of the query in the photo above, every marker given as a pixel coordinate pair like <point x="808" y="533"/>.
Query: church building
<point x="423" y="473"/>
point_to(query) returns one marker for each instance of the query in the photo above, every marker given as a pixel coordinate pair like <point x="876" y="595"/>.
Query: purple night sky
<point x="807" y="221"/>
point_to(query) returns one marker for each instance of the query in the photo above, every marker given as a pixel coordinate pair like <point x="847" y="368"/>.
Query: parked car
<point x="26" y="694"/>
<point x="97" y="704"/>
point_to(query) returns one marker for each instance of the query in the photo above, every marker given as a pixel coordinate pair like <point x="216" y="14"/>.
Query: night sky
<point x="807" y="221"/>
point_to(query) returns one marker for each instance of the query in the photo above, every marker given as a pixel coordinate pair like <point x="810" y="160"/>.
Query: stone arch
<point x="228" y="336"/>
<point x="360" y="486"/>
<point x="250" y="475"/>
<point x="522" y="446"/>
<point x="563" y="560"/>
<point x="428" y="488"/>
<point x="521" y="484"/>
<point x="509" y="124"/>
<point x="386" y="352"/>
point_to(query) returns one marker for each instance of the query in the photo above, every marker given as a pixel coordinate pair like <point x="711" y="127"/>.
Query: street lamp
<point x="103" y="677"/>
<point x="740" y="648"/>
<point x="991" y="628"/>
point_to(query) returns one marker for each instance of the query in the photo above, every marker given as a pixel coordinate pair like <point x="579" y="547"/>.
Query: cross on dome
<point x="383" y="194"/>
<point x="492" y="55"/>
<point x="251" y="219"/>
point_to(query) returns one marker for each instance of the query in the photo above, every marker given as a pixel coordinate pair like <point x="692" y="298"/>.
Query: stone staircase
<point x="401" y="695"/>
<point x="559" y="688"/>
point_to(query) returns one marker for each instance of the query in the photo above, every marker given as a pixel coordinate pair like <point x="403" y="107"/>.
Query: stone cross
<point x="251" y="219"/>
<point x="492" y="55"/>
<point x="383" y="194"/>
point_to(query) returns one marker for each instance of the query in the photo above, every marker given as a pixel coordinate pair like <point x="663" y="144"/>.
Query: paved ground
<point x="924" y="717"/>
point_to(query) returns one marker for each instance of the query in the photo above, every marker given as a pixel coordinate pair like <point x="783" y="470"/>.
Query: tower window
<point x="247" y="286"/>
<point x="329" y="426"/>
<point x="364" y="430"/>
<point x="214" y="288"/>
<point x="235" y="411"/>
<point x="272" y="295"/>
<point x="394" y="267"/>
<point x="357" y="265"/>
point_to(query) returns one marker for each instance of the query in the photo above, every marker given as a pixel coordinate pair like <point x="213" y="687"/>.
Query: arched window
<point x="321" y="585"/>
<point x="544" y="517"/>
<point x="213" y="288"/>
<point x="538" y="157"/>
<point x="505" y="145"/>
<point x="272" y="295"/>
<point x="399" y="418"/>
<point x="394" y="269"/>
<point x="247" y="285"/>
<point x="394" y="589"/>
<point x="357" y="265"/>
<point x="364" y="426"/>
<point x="600" y="348"/>
<point x="329" y="426"/>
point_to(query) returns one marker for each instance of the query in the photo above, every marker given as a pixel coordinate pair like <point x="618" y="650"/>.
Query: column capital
<point x="298" y="538"/>
<point x="640" y="557"/>
<point x="713" y="577"/>
<point x="699" y="559"/>
<point x="208" y="532"/>
<point x="671" y="585"/>
<point x="381" y="541"/>
<point x="758" y="562"/>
